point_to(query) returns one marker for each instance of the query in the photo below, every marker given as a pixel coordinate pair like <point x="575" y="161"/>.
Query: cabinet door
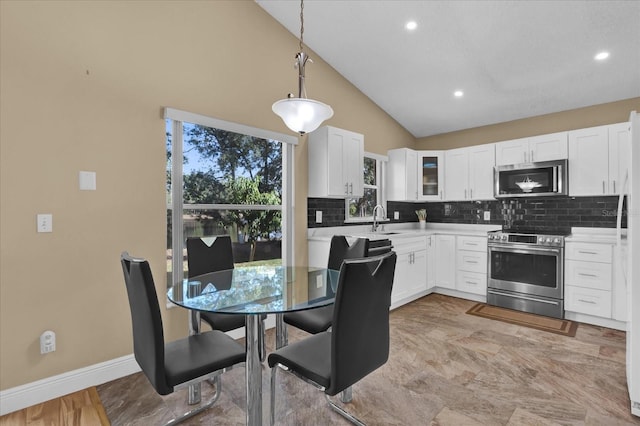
<point x="445" y="259"/>
<point x="620" y="292"/>
<point x="482" y="159"/>
<point x="417" y="275"/>
<point x="512" y="152"/>
<point x="456" y="176"/>
<point x="548" y="147"/>
<point x="353" y="162"/>
<point x="338" y="184"/>
<point x="402" y="175"/>
<point x="619" y="158"/>
<point x="431" y="261"/>
<point x="589" y="161"/>
<point x="401" y="276"/>
<point x="431" y="175"/>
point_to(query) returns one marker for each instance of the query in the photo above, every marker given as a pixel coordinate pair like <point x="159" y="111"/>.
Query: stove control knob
<point x="540" y="240"/>
<point x="503" y="237"/>
<point x="490" y="237"/>
<point x="548" y="240"/>
<point x="556" y="241"/>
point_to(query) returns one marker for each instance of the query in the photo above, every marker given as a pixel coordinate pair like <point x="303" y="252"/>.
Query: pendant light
<point x="300" y="114"/>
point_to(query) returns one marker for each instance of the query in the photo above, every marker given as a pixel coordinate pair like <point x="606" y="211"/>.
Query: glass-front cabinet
<point x="430" y="175"/>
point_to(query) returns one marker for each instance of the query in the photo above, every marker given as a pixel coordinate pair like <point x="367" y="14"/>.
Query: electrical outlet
<point x="44" y="222"/>
<point x="47" y="342"/>
<point x="318" y="216"/>
<point x="487" y="215"/>
<point x="396" y="215"/>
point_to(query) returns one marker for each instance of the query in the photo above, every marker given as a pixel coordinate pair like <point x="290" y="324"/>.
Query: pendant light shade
<point x="300" y="114"/>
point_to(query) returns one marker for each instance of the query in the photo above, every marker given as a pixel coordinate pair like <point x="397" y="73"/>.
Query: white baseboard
<point x="24" y="396"/>
<point x="29" y="394"/>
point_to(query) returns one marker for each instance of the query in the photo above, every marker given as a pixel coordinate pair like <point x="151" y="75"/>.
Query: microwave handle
<point x="555" y="179"/>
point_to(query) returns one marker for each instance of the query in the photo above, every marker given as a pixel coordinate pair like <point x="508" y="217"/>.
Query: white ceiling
<point x="512" y="59"/>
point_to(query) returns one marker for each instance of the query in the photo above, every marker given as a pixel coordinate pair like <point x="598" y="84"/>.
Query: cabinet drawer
<point x="589" y="252"/>
<point x="588" y="301"/>
<point x="588" y="274"/>
<point x="472" y="243"/>
<point x="408" y="245"/>
<point x="471" y="261"/>
<point x="471" y="282"/>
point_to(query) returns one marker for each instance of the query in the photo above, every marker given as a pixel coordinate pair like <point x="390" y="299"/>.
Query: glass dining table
<point x="252" y="291"/>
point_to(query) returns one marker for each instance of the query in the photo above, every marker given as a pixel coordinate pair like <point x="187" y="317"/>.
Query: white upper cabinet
<point x="537" y="148"/>
<point x="402" y="175"/>
<point x="469" y="173"/>
<point x="598" y="159"/>
<point x="336" y="159"/>
<point x="431" y="178"/>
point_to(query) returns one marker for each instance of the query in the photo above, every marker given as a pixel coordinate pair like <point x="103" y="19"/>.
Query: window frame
<point x="381" y="198"/>
<point x="177" y="206"/>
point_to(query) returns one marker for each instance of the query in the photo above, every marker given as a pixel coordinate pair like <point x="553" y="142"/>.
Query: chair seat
<point x="310" y="357"/>
<point x="225" y="322"/>
<point x="312" y="321"/>
<point x="200" y="354"/>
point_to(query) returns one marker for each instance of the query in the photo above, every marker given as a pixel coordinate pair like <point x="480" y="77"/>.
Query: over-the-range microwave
<point x="541" y="179"/>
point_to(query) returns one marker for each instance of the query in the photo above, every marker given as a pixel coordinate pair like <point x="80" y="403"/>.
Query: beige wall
<point x="83" y="86"/>
<point x="614" y="112"/>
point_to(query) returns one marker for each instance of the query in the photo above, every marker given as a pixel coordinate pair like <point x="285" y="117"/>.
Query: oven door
<point x="528" y="270"/>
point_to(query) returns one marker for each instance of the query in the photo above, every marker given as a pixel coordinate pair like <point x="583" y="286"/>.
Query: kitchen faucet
<point x="374" y="227"/>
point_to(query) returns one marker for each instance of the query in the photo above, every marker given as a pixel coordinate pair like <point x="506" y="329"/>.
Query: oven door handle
<point x="524" y="250"/>
<point x="519" y="296"/>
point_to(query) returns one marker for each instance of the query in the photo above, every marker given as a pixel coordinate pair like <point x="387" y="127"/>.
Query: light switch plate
<point x="487" y="215"/>
<point x="319" y="216"/>
<point x="396" y="215"/>
<point x="87" y="181"/>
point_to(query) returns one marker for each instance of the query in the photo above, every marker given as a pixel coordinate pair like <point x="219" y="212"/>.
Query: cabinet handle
<point x="525" y="156"/>
<point x="586" y="252"/>
<point x="351" y="188"/>
<point x="603" y="187"/>
<point x="346" y="188"/>
<point x="471" y="194"/>
<point x="471" y="244"/>
<point x="441" y="194"/>
<point x="471" y="282"/>
<point x="472" y="261"/>
<point x="532" y="156"/>
<point x="591" y="302"/>
<point x="582" y="274"/>
<point x="614" y="186"/>
<point x="465" y="194"/>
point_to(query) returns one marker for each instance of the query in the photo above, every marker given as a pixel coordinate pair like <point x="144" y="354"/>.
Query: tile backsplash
<point x="537" y="213"/>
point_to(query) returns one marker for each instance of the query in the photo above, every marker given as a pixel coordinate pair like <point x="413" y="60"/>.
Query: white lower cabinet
<point x="410" y="279"/>
<point x="431" y="261"/>
<point x="446" y="261"/>
<point x="471" y="264"/>
<point x="592" y="281"/>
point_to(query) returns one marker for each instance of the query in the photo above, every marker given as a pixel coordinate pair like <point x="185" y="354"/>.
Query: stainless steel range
<point x="526" y="271"/>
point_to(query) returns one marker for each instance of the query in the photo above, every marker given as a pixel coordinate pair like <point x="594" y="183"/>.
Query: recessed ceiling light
<point x="601" y="56"/>
<point x="458" y="93"/>
<point x="411" y="25"/>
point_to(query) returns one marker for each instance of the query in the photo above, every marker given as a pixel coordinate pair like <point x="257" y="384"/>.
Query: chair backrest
<point x="360" y="333"/>
<point x="340" y="249"/>
<point x="148" y="335"/>
<point x="206" y="255"/>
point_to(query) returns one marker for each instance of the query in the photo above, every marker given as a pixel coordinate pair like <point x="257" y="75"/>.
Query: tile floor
<point x="445" y="368"/>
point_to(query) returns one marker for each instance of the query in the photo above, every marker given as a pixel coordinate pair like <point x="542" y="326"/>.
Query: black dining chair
<point x="177" y="364"/>
<point x="205" y="255"/>
<point x="358" y="342"/>
<point x="317" y="320"/>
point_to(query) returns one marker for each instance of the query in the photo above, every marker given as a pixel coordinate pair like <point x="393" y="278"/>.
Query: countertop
<point x="596" y="235"/>
<point x="400" y="230"/>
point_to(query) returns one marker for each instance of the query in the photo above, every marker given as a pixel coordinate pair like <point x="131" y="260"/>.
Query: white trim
<point x="24" y="396"/>
<point x="190" y="117"/>
<point x="378" y="157"/>
<point x="231" y="206"/>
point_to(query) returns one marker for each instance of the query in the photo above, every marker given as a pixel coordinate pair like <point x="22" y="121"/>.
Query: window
<point x="227" y="179"/>
<point x="361" y="209"/>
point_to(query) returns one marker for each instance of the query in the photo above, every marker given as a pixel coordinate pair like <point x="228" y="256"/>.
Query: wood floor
<point x="445" y="368"/>
<point x="82" y="408"/>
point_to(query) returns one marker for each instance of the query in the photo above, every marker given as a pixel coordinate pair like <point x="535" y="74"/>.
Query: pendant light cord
<point x="301" y="23"/>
